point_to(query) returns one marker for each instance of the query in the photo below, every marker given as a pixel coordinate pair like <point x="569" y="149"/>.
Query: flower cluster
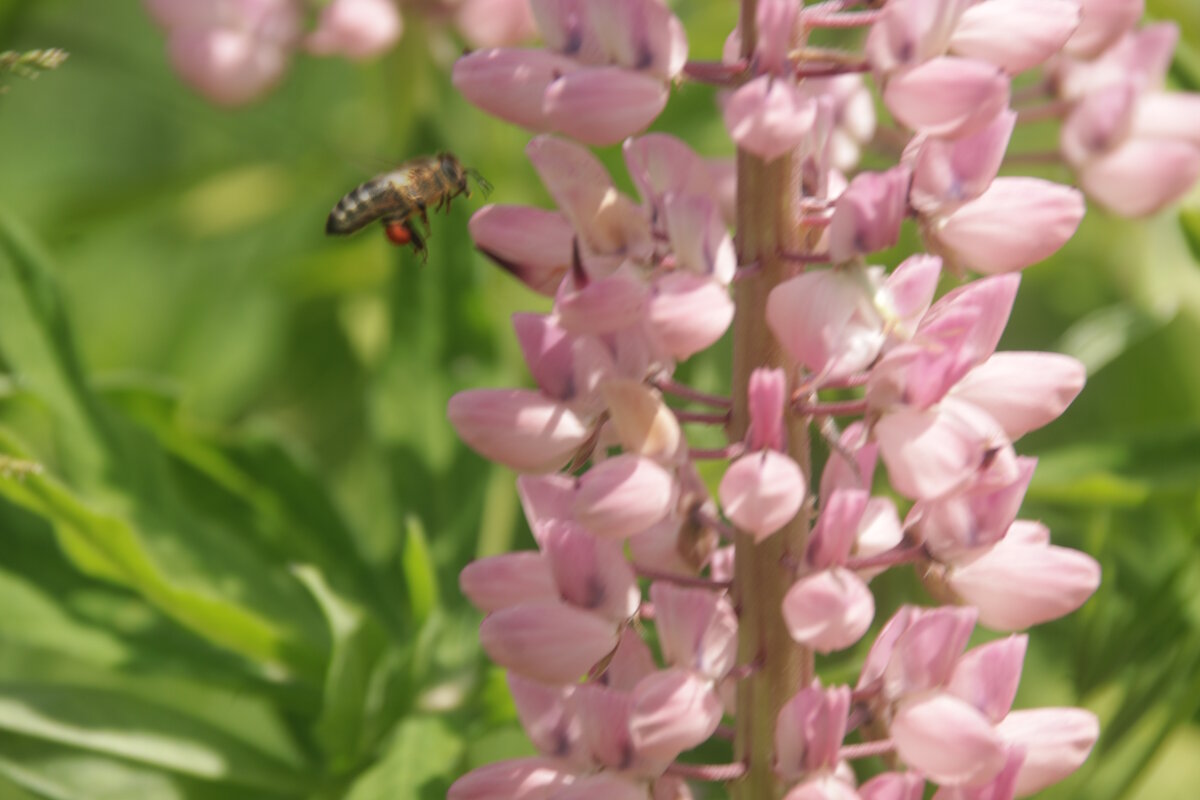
<point x="609" y="481"/>
<point x="234" y="51"/>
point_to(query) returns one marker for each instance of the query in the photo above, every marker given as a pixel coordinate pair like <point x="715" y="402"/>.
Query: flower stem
<point x="765" y="229"/>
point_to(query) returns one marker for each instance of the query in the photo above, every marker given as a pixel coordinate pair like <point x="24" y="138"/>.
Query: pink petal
<point x="1016" y="586"/>
<point x="603" y="105"/>
<point x="511" y="84"/>
<point x="929" y="453"/>
<point x="948" y="96"/>
<point x="230" y="67"/>
<point x="765" y="398"/>
<point x="623" y="495"/>
<point x="828" y="610"/>
<point x="602" y="786"/>
<point x="602" y="306"/>
<point x="907" y="293"/>
<point x="911" y="32"/>
<point x="547" y="719"/>
<point x="547" y="641"/>
<point x="1098" y="123"/>
<point x="947" y="740"/>
<point x="661" y="164"/>
<point x="508" y="579"/>
<point x="673" y="710"/>
<point x="522" y="429"/>
<point x="640" y="34"/>
<point x="834" y="534"/>
<point x="688" y="313"/>
<point x="631" y="662"/>
<point x="957" y="525"/>
<point x="868" y="214"/>
<point x="769" y="117"/>
<point x="604" y="713"/>
<point x="927" y="649"/>
<point x="698" y="236"/>
<point x="951" y="171"/>
<point x="822" y="787"/>
<point x="697" y="629"/>
<point x="1168" y="115"/>
<point x="1023" y="391"/>
<point x="1056" y="742"/>
<point x="495" y="23"/>
<point x="1102" y="23"/>
<point x="519" y="779"/>
<point x="590" y="573"/>
<point x="532" y="244"/>
<point x="761" y="492"/>
<point x="809" y="731"/>
<point x="893" y="786"/>
<point x="548" y="351"/>
<point x="566" y="27"/>
<point x="979" y="234"/>
<point x="643" y="423"/>
<point x="545" y="498"/>
<point x="988" y="675"/>
<point x="608" y="222"/>
<point x="1015" y="35"/>
<point x="826" y="320"/>
<point x="1142" y="176"/>
<point x="356" y="29"/>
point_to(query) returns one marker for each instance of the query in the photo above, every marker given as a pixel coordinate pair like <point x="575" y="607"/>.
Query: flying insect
<point x="401" y="196"/>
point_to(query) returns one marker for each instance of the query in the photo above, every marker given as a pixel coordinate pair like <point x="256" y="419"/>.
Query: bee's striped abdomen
<point x="365" y="204"/>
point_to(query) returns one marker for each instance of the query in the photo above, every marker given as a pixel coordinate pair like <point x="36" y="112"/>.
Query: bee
<point x="400" y="196"/>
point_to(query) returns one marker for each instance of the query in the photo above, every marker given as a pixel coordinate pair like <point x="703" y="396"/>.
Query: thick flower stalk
<point x="745" y="589"/>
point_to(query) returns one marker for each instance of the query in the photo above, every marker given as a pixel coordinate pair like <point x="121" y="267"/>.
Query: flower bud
<point x="1056" y="742"/>
<point x="769" y="116"/>
<point x="623" y="495"/>
<point x="507" y="580"/>
<point x="761" y="492"/>
<point x="532" y="244"/>
<point x="947" y="740"/>
<point x="828" y="610"/>
<point x="948" y="96"/>
<point x="522" y="429"/>
<point x="547" y="641"/>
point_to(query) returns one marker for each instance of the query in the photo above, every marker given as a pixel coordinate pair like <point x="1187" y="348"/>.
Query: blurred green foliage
<point x="235" y="575"/>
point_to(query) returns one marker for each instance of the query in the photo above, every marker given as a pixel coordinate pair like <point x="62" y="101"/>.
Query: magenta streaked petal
<point x="1056" y="742"/>
<point x="532" y="244"/>
<point x="828" y="610"/>
<point x="623" y="495"/>
<point x="761" y="492"/>
<point x="673" y="710"/>
<point x="697" y="629"/>
<point x="948" y="740"/>
<point x="1142" y="176"/>
<point x="522" y="429"/>
<point x="948" y="96"/>
<point x="518" y="779"/>
<point x="688" y="313"/>
<point x="1015" y="35"/>
<point x="603" y="105"/>
<point x="508" y="579"/>
<point x="547" y="641"/>
<point x="769" y="117"/>
<point x="978" y="235"/>
<point x="591" y="573"/>
<point x="510" y="83"/>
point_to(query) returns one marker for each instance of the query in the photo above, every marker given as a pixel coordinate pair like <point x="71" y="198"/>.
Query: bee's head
<point x="457" y="174"/>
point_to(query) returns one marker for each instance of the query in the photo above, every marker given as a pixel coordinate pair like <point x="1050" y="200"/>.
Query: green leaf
<point x="124" y="727"/>
<point x="358" y="644"/>
<point x="419" y="763"/>
<point x="420" y="574"/>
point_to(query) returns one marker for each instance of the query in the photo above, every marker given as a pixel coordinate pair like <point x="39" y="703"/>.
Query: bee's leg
<point x="418" y="244"/>
<point x="424" y="217"/>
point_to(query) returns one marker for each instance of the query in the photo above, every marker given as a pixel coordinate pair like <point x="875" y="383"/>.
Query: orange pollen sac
<point x="397" y="233"/>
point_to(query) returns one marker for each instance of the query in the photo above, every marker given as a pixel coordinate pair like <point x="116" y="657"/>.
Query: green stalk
<point x="766" y="227"/>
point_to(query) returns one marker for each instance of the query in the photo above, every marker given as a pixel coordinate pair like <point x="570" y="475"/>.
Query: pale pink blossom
<point x="548" y="641"/>
<point x="356" y="29"/>
<point x="532" y="244"/>
<point x="769" y="116"/>
<point x="1056" y="741"/>
<point x="590" y="573"/>
<point x="1015" y="35"/>
<point x="893" y="786"/>
<point x="868" y="214"/>
<point x="534" y="778"/>
<point x="947" y="740"/>
<point x="810" y="729"/>
<point x="948" y="96"/>
<point x="520" y="428"/>
<point x="688" y="313"/>
<point x="828" y="610"/>
<point x="673" y="710"/>
<point x="495" y="23"/>
<point x="507" y="580"/>
<point x="1024" y="581"/>
<point x="623" y="495"/>
<point x="1101" y="23"/>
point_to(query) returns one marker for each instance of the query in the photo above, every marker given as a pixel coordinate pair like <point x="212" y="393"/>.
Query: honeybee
<point x="405" y="193"/>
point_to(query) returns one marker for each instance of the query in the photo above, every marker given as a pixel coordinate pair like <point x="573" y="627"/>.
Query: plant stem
<point x="766" y="227"/>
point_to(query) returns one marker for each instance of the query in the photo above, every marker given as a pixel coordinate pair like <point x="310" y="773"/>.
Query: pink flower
<point x="810" y="729"/>
<point x="495" y="23"/>
<point x="524" y="429"/>
<point x="356" y="29"/>
<point x="948" y="96"/>
<point x="547" y="641"/>
<point x="1056" y="741"/>
<point x="769" y="116"/>
<point x="828" y="610"/>
<point x="868" y="214"/>
<point x="947" y="740"/>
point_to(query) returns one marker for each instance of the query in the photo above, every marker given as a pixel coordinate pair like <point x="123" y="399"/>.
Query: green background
<point x="236" y="576"/>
